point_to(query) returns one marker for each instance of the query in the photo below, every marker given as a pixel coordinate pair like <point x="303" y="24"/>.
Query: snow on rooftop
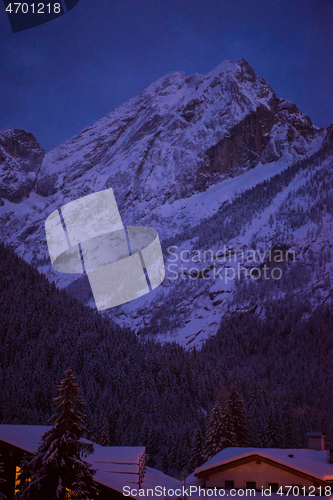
<point x="311" y="462"/>
<point x="116" y="466"/>
<point x="155" y="477"/>
<point x="193" y="480"/>
<point x="117" y="454"/>
<point x="151" y="479"/>
<point x="115" y="481"/>
<point x="26" y="437"/>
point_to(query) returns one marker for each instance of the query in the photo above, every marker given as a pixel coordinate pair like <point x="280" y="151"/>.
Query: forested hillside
<point x="139" y="392"/>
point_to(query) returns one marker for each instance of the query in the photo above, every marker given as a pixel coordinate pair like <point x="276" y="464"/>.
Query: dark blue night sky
<point x="60" y="77"/>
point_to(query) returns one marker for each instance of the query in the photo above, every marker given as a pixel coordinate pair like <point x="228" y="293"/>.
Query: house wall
<point x="9" y="466"/>
<point x="260" y="473"/>
<point x="108" y="493"/>
<point x="11" y="459"/>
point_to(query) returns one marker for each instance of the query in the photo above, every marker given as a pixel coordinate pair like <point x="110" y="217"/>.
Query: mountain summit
<point x="178" y="137"/>
<point x="212" y="162"/>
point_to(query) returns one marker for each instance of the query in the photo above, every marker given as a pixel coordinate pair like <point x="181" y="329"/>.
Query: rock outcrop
<point x="20" y="160"/>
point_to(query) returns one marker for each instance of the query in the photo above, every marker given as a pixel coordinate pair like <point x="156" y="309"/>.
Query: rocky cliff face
<point x="20" y="160"/>
<point x="265" y="135"/>
<point x="204" y="159"/>
<point x="178" y="137"/>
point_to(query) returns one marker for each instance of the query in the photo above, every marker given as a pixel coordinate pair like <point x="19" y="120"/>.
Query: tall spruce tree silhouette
<point x="237" y="409"/>
<point x="214" y="436"/>
<point x="57" y="471"/>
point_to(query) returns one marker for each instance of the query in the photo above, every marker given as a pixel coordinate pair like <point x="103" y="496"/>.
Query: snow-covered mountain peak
<point x="162" y="137"/>
<point x="170" y="81"/>
<point x="240" y="66"/>
<point x="224" y="67"/>
<point x="175" y="156"/>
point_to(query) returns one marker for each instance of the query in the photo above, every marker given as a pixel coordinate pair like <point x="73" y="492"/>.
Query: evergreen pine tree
<point x="105" y="437"/>
<point x="255" y="419"/>
<point x="273" y="430"/>
<point x="214" y="433"/>
<point x="102" y="431"/>
<point x="222" y="397"/>
<point x="152" y="446"/>
<point x="178" y="455"/>
<point x="238" y="413"/>
<point x="198" y="443"/>
<point x="228" y="433"/>
<point x="263" y="443"/>
<point x="288" y="424"/>
<point x="57" y="470"/>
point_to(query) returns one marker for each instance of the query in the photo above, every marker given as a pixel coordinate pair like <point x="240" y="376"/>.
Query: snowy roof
<point x="116" y="466"/>
<point x="151" y="479"/>
<point x="117" y="454"/>
<point x="25" y="437"/>
<point x="311" y="462"/>
<point x="154" y="477"/>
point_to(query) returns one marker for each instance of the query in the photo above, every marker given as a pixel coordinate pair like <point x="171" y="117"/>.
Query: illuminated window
<point x="17" y="473"/>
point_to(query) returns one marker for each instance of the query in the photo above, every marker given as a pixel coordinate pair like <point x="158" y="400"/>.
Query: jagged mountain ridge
<point x="178" y="137"/>
<point x="174" y="155"/>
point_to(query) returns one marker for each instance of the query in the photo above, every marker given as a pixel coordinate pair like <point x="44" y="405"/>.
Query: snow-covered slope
<point x="178" y="157"/>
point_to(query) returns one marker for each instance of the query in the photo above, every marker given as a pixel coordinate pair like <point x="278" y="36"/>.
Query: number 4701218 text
<point x="33" y="8"/>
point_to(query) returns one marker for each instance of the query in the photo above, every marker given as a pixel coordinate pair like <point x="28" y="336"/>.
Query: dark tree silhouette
<point x="58" y="470"/>
<point x="214" y="433"/>
<point x="228" y="433"/>
<point x="198" y="443"/>
<point x="238" y="413"/>
<point x="273" y="430"/>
